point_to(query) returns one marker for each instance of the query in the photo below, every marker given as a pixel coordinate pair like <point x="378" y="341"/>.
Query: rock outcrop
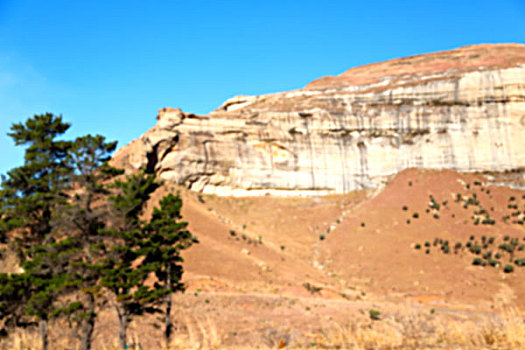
<point x="462" y="109"/>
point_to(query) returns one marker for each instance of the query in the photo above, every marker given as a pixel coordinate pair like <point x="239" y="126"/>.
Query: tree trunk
<point x="89" y="325"/>
<point x="43" y="333"/>
<point x="122" y="318"/>
<point x="167" y="330"/>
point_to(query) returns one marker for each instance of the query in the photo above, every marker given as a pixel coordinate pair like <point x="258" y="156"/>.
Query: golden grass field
<point x="404" y="329"/>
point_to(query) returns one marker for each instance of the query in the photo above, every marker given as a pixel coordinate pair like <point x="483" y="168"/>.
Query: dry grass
<point x="197" y="333"/>
<point x="402" y="330"/>
<point x="414" y="331"/>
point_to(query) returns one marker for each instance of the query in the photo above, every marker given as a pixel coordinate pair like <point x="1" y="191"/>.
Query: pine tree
<point x="83" y="220"/>
<point x="46" y="270"/>
<point x="14" y="293"/>
<point x="164" y="238"/>
<point x="29" y="197"/>
<point x="78" y="232"/>
<point x="30" y="193"/>
<point x="122" y="275"/>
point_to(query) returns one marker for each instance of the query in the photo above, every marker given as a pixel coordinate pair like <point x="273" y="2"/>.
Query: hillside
<point x="308" y="270"/>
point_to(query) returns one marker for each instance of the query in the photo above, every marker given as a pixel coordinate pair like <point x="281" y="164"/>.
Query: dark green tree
<point x="14" y="293"/>
<point x="123" y="276"/>
<point x="165" y="236"/>
<point x="78" y="232"/>
<point x="30" y="193"/>
<point x="46" y="272"/>
<point x="29" y="197"/>
<point x="83" y="221"/>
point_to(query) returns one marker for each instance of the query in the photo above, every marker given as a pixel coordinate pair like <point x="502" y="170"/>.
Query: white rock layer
<point x="311" y="142"/>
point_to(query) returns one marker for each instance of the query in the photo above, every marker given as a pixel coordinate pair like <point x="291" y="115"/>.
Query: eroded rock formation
<point x="462" y="109"/>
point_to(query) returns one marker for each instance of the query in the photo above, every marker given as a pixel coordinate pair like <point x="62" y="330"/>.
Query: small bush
<point x="427" y="244"/>
<point x="520" y="262"/>
<point x="374" y="314"/>
<point x="415" y="215"/>
<point x="475" y="249"/>
<point x="506" y="247"/>
<point x="311" y="288"/>
<point x="508" y="269"/>
<point x="477" y="261"/>
<point x="417" y="246"/>
<point x="233" y="233"/>
<point x="363" y="224"/>
<point x="405" y="208"/>
<point x="493" y="262"/>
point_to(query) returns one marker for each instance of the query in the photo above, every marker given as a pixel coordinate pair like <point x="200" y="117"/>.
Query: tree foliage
<point x="163" y="239"/>
<point x="78" y="228"/>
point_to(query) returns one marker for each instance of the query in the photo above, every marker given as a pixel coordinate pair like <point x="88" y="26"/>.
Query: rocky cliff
<point x="462" y="109"/>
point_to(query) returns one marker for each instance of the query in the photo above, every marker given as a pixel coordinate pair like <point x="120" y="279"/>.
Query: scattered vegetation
<point x="311" y="288"/>
<point x="484" y="250"/>
<point x="374" y="314"/>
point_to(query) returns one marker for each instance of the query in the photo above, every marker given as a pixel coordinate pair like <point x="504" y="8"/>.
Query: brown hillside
<point x="475" y="57"/>
<point x="378" y="258"/>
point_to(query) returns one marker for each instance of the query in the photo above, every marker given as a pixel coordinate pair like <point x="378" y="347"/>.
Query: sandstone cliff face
<point x="462" y="109"/>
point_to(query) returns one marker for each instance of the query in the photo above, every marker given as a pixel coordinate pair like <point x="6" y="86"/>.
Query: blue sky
<point x="107" y="66"/>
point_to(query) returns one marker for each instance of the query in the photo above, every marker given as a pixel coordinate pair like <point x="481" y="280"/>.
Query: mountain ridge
<point x="462" y="109"/>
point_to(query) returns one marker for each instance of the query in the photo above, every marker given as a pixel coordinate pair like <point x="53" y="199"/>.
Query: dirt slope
<point x="281" y="244"/>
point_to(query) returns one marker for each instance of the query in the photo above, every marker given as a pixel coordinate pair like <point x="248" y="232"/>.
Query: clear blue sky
<point x="107" y="66"/>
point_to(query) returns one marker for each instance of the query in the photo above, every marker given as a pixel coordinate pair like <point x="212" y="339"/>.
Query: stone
<point x="462" y="109"/>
